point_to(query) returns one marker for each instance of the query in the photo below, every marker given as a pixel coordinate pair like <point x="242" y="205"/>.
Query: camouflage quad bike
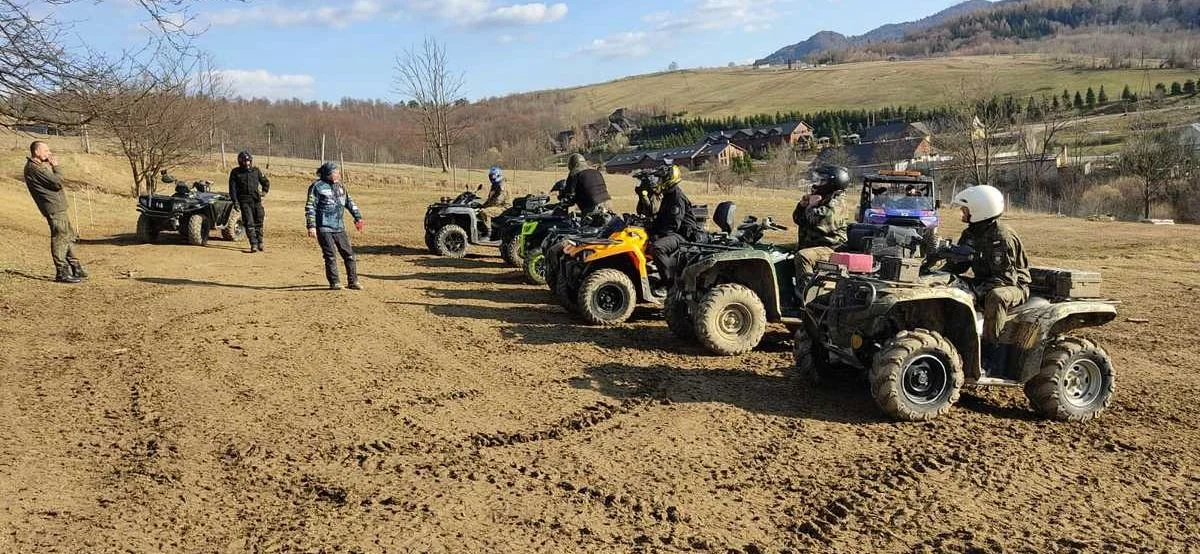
<point x="192" y="212"/>
<point x="917" y="337"/>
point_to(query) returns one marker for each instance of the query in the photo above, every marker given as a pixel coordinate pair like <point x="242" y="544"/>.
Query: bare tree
<point x="1160" y="161"/>
<point x="424" y="76"/>
<point x="48" y="76"/>
<point x="169" y="125"/>
<point x="968" y="134"/>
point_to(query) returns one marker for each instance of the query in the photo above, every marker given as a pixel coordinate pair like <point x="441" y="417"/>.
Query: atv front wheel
<point x="429" y="242"/>
<point x="196" y="229"/>
<point x="607" y="297"/>
<point x="1076" y="381"/>
<point x="917" y="376"/>
<point x="535" y="267"/>
<point x="233" y="230"/>
<point x="679" y="318"/>
<point x="566" y="297"/>
<point x="508" y="251"/>
<point x="810" y="359"/>
<point x="450" y="241"/>
<point x="730" y="320"/>
<point x="147" y="230"/>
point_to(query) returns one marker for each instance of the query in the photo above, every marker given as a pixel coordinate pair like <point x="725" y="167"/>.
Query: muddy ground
<point x="206" y="400"/>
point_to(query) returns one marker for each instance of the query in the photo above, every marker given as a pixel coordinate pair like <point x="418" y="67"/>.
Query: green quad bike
<point x="917" y="338"/>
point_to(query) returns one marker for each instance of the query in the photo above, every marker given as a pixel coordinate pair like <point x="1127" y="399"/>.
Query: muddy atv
<point x="918" y="342"/>
<point x="604" y="278"/>
<point x="727" y="292"/>
<point x="193" y="212"/>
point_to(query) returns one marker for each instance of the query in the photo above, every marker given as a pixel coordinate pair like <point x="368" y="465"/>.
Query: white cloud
<point x="524" y="14"/>
<point x="633" y="44"/>
<point x="292" y="16"/>
<point x="712" y="15"/>
<point x="260" y="83"/>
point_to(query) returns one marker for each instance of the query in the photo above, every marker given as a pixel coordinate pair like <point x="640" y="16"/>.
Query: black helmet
<point x="182" y="189"/>
<point x="560" y="188"/>
<point x="245" y="157"/>
<point x="831" y="178"/>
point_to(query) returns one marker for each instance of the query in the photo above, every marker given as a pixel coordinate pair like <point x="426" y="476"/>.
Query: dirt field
<point x="206" y="400"/>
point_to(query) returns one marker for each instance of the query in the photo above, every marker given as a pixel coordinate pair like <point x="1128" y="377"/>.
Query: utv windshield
<point x="901" y="196"/>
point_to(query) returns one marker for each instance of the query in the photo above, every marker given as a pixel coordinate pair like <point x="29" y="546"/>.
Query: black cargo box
<point x="1065" y="283"/>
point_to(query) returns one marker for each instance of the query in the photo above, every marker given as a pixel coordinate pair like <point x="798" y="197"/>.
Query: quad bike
<point x="918" y="341"/>
<point x="192" y="212"/>
<point x="729" y="295"/>
<point x="532" y="238"/>
<point x="453" y="225"/>
<point x="554" y="244"/>
<point x="508" y="227"/>
<point x="604" y="278"/>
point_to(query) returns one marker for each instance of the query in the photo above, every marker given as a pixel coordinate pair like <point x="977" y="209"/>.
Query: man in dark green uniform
<point x="43" y="177"/>
<point x="1000" y="270"/>
<point x="819" y="219"/>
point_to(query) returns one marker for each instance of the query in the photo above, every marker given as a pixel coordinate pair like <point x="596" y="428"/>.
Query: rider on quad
<point x="497" y="196"/>
<point x="674" y="224"/>
<point x="820" y="219"/>
<point x="1000" y="271"/>
<point x="586" y="189"/>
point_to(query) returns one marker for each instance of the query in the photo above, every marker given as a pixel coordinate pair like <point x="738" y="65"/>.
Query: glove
<point x="359" y="225"/>
<point x="312" y="232"/>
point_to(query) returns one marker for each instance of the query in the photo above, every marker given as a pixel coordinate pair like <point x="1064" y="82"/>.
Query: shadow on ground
<point x="390" y="250"/>
<point x="776" y="393"/>
<point x="514" y="295"/>
<point x="456" y="277"/>
<point x="196" y="283"/>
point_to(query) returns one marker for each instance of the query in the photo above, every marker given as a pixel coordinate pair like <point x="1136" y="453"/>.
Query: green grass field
<point x="930" y="82"/>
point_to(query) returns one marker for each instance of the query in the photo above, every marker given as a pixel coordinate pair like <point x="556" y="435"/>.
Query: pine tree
<point x="1176" y="89"/>
<point x="1054" y="105"/>
<point x="1066" y="98"/>
<point x="1103" y="96"/>
<point x="1090" y="99"/>
<point x="1189" y="87"/>
<point x="1078" y="101"/>
<point x="1126" y="95"/>
<point x="1032" y="110"/>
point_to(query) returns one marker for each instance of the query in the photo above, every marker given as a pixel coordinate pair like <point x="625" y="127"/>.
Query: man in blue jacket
<point x="323" y="213"/>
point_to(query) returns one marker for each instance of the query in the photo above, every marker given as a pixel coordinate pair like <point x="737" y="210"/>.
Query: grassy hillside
<point x="931" y="82"/>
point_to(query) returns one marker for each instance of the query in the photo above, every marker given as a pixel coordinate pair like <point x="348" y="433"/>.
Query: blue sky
<point x="329" y="49"/>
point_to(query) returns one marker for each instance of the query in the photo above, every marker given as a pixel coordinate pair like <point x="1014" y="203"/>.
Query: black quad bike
<point x="193" y="212"/>
<point x="452" y="225"/>
<point x="917" y="339"/>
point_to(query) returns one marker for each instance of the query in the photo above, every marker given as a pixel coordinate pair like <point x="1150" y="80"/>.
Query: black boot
<point x="251" y="237"/>
<point x="258" y="235"/>
<point x="995" y="360"/>
<point x="65" y="276"/>
<point x="78" y="271"/>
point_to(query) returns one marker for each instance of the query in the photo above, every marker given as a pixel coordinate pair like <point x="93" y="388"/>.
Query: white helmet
<point x="983" y="201"/>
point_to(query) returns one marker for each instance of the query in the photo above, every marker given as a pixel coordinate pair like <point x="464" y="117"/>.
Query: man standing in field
<point x="327" y="203"/>
<point x="43" y="177"/>
<point x="247" y="186"/>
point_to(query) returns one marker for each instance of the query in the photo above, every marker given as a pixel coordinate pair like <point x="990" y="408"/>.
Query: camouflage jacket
<point x="822" y="224"/>
<point x="327" y="203"/>
<point x="999" y="259"/>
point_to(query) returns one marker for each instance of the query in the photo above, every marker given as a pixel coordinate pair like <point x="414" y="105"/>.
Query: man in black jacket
<point x="674" y="224"/>
<point x="43" y="177"/>
<point x="587" y="190"/>
<point x="247" y="186"/>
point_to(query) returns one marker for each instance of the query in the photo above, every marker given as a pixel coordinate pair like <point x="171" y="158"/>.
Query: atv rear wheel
<point x="508" y="251"/>
<point x="450" y="241"/>
<point x="810" y="359"/>
<point x="534" y="266"/>
<point x="147" y="230"/>
<point x="730" y="320"/>
<point x="1076" y="381"/>
<point x="233" y="229"/>
<point x="429" y="242"/>
<point x="917" y="376"/>
<point x="607" y="297"/>
<point x="679" y="318"/>
<point x="196" y="229"/>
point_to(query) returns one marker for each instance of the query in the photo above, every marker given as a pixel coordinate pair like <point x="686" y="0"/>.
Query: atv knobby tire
<point x="508" y="251"/>
<point x="233" y="230"/>
<point x="196" y="230"/>
<point x="730" y="320"/>
<point x="450" y="241"/>
<point x="607" y="297"/>
<point x="534" y="266"/>
<point x="429" y="244"/>
<point x="147" y="230"/>
<point x="811" y="360"/>
<point x="566" y="297"/>
<point x="679" y="318"/>
<point x="916" y="376"/>
<point x="1076" y="381"/>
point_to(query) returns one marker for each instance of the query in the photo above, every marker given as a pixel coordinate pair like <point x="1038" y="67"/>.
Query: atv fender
<point x="1031" y="330"/>
<point x="750" y="268"/>
<point x="946" y="310"/>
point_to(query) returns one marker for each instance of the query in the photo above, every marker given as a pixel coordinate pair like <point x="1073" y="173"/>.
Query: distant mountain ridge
<point x="830" y="40"/>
